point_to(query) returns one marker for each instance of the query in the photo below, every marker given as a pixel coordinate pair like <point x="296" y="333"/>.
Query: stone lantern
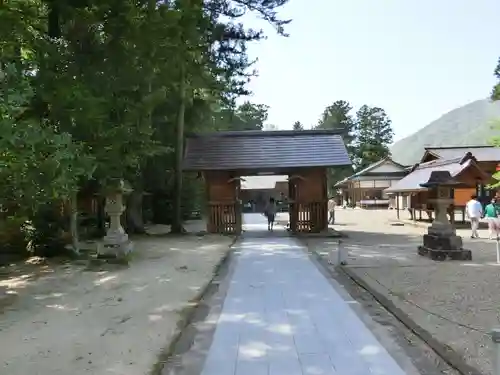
<point x="115" y="243"/>
<point x="441" y="241"/>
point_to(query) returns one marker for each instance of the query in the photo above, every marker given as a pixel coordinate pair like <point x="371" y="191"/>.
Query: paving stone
<point x="289" y="320"/>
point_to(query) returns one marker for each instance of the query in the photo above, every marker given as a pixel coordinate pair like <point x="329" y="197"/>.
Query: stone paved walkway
<point x="281" y="316"/>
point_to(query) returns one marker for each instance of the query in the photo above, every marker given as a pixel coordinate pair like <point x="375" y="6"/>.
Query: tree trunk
<point x="179" y="153"/>
<point x="53" y="26"/>
<point x="135" y="222"/>
<point x="73" y="223"/>
<point x="101" y="217"/>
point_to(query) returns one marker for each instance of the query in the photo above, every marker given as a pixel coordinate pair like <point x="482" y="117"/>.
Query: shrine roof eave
<point x="398" y="191"/>
<point x="379" y="176"/>
<point x="261" y="171"/>
<point x="456" y="167"/>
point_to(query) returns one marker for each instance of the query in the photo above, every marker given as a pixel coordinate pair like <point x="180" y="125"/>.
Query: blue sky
<point x="416" y="59"/>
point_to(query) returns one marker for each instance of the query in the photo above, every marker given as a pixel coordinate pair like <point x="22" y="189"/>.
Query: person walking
<point x="331" y="211"/>
<point x="270" y="213"/>
<point x="491" y="214"/>
<point x="474" y="211"/>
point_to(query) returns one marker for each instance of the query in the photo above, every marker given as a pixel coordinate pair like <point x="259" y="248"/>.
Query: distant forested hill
<point x="467" y="125"/>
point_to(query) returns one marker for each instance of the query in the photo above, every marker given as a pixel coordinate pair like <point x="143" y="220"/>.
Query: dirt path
<point x="64" y="319"/>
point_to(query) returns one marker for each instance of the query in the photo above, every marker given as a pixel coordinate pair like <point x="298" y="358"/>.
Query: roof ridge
<point x="439" y="162"/>
<point x="266" y="133"/>
<point x="373" y="166"/>
<point x="455" y="147"/>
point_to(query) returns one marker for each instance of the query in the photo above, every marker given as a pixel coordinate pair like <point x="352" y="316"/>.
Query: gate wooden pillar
<point x="293" y="208"/>
<point x="317" y="199"/>
<point x="309" y="197"/>
<point x="224" y="211"/>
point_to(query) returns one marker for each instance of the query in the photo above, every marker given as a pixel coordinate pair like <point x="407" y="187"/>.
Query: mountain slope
<point x="467" y="125"/>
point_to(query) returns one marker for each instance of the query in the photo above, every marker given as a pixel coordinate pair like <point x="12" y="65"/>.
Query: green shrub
<point x="13" y="238"/>
<point x="47" y="230"/>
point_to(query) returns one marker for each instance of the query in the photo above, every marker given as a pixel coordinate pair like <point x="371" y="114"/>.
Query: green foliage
<point x="495" y="141"/>
<point x="46" y="231"/>
<point x="495" y="95"/>
<point x="337" y="116"/>
<point x="100" y="94"/>
<point x="496" y="177"/>
<point x="297" y="125"/>
<point x="374" y="135"/>
<point x="249" y="116"/>
<point x="101" y="91"/>
<point x="38" y="164"/>
<point x="14" y="238"/>
<point x="367" y="135"/>
<point x="495" y="126"/>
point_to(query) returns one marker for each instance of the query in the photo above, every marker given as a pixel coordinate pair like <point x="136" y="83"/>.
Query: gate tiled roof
<point x="265" y="150"/>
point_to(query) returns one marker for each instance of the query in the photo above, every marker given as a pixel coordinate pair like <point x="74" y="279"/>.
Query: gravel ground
<point x="456" y="301"/>
<point x="64" y="319"/>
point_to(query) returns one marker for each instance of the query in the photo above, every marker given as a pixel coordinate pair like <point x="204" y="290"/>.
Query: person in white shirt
<point x="331" y="211"/>
<point x="474" y="211"/>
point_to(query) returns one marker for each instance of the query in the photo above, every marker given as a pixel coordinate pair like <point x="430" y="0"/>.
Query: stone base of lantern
<point x="442" y="247"/>
<point x="115" y="247"/>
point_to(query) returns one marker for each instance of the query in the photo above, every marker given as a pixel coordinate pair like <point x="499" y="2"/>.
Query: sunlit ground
<point x="443" y="297"/>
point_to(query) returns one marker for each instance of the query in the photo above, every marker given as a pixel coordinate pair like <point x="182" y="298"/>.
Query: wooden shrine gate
<point x="222" y="158"/>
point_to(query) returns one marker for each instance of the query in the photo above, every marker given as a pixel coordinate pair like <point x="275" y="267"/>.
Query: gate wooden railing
<point x="224" y="217"/>
<point x="308" y="217"/>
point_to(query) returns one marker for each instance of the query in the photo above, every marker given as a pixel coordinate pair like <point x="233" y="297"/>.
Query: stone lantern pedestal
<point x="115" y="243"/>
<point x="441" y="241"/>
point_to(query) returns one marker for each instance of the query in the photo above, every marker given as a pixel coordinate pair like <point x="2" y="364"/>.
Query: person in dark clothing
<point x="270" y="213"/>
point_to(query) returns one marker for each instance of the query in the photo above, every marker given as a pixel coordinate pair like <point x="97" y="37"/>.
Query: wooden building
<point x="223" y="158"/>
<point x="366" y="187"/>
<point x="487" y="158"/>
<point x="255" y="191"/>
<point x="281" y="189"/>
<point x="465" y="169"/>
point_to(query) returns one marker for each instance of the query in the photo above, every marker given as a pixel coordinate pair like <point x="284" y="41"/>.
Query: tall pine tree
<point x="297" y="125"/>
<point x="337" y="116"/>
<point x="250" y="116"/>
<point x="375" y="134"/>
